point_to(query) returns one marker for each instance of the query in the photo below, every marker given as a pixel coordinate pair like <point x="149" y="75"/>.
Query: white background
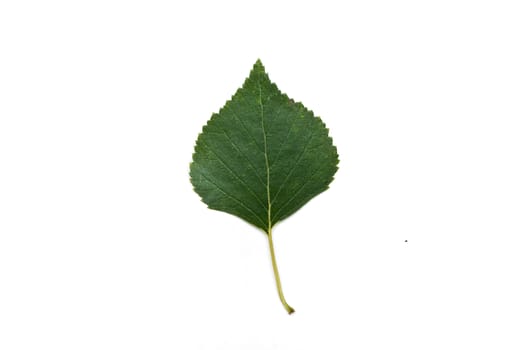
<point x="104" y="245"/>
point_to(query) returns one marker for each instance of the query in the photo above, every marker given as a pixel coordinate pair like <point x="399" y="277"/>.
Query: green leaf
<point x="262" y="157"/>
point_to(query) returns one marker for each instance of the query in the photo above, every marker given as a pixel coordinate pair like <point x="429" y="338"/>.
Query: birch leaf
<point x="262" y="157"/>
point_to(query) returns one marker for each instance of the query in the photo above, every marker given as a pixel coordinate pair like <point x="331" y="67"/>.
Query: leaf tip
<point x="258" y="66"/>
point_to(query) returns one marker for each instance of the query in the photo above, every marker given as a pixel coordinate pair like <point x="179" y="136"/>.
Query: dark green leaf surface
<point x="263" y="156"/>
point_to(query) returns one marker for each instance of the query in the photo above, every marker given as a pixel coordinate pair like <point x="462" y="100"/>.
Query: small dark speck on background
<point x="406" y="241"/>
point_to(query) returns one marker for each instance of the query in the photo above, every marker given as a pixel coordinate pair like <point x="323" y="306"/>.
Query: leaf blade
<point x="266" y="151"/>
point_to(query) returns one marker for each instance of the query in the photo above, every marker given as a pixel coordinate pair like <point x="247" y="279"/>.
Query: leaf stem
<point x="288" y="308"/>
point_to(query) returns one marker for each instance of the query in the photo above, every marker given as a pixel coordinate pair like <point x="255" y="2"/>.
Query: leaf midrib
<point x="265" y="156"/>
